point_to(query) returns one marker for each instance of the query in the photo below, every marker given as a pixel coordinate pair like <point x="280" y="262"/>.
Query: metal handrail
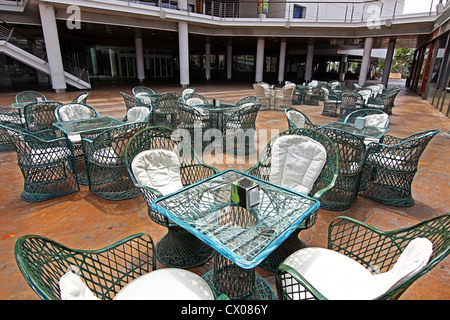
<point x="37" y="48"/>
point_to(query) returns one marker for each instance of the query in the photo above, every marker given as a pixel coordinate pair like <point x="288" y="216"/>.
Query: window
<point x="244" y="63"/>
<point x="299" y="12"/>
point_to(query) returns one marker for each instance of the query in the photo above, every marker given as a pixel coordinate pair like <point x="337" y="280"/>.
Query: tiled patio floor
<point x="83" y="220"/>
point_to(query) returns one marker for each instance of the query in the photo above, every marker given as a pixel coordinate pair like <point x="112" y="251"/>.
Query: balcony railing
<point x="13" y="5"/>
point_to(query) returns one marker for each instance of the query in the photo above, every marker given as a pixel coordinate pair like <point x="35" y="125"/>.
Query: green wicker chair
<point x="139" y="114"/>
<point x="390" y="167"/>
<point x="9" y="116"/>
<point x="30" y="96"/>
<point x="240" y="128"/>
<point x="374" y="249"/>
<point x="40" y="115"/>
<point x="186" y="94"/>
<point x="178" y="248"/>
<point x="194" y="120"/>
<point x="104" y="157"/>
<point x="350" y="102"/>
<point x="165" y="111"/>
<point x="47" y="163"/>
<point x="81" y="98"/>
<point x="324" y="182"/>
<point x="144" y="94"/>
<point x="297" y="119"/>
<point x="195" y="99"/>
<point x="312" y="95"/>
<point x="131" y="102"/>
<point x="331" y="102"/>
<point x="298" y="96"/>
<point x="75" y="111"/>
<point x="352" y="153"/>
<point x="43" y="262"/>
<point x="351" y="117"/>
<point x="384" y="102"/>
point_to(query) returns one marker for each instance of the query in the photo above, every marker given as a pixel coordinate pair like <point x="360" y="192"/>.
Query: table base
<point x="180" y="249"/>
<point x="288" y="247"/>
<point x="262" y="290"/>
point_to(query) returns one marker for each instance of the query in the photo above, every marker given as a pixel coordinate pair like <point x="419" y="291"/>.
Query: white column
<point x="208" y="59"/>
<point x="309" y="61"/>
<point x="342" y="67"/>
<point x="365" y="64"/>
<point x="112" y="62"/>
<point x="52" y="47"/>
<point x="94" y="61"/>
<point x="183" y="43"/>
<point x="259" y="60"/>
<point x="139" y="54"/>
<point x="282" y="61"/>
<point x="229" y="61"/>
<point x="388" y="61"/>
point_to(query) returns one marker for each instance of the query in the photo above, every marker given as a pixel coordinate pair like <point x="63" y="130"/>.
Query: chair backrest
<point x="40" y="115"/>
<point x="165" y="110"/>
<point x="75" y="111"/>
<point x="131" y="101"/>
<point x="141" y="89"/>
<point x="43" y="262"/>
<point x="81" y="98"/>
<point x="297" y="119"/>
<point x="329" y="172"/>
<point x="344" y="232"/>
<point x="243" y="118"/>
<point x="245" y="100"/>
<point x="138" y="114"/>
<point x="350" y="101"/>
<point x="259" y="90"/>
<point x="383" y="120"/>
<point x="30" y="96"/>
<point x="187" y="93"/>
<point x="194" y="99"/>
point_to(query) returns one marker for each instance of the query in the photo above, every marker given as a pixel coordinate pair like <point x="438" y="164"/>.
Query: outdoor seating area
<point x="243" y="191"/>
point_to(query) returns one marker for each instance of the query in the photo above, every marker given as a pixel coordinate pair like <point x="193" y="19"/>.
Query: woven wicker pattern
<point x="43" y="262"/>
<point x="165" y="111"/>
<point x="390" y="167"/>
<point x="350" y="102"/>
<point x="323" y="183"/>
<point x="9" y="116"/>
<point x="105" y="162"/>
<point x="40" y="115"/>
<point x="331" y="102"/>
<point x="352" y="152"/>
<point x="374" y="249"/>
<point x="47" y="163"/>
<point x="30" y="96"/>
<point x="384" y="101"/>
<point x="178" y="248"/>
<point x="291" y="125"/>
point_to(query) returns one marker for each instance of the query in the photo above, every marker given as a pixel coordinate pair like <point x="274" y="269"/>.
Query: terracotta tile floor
<point x="83" y="220"/>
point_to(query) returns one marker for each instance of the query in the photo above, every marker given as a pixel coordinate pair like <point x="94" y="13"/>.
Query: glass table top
<point x="86" y="125"/>
<point x="366" y="132"/>
<point x="243" y="236"/>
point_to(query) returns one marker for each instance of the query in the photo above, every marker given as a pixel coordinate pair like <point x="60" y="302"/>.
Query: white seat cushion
<point x="72" y="287"/>
<point x="297" y="118"/>
<point x="137" y="114"/>
<point x="158" y="169"/>
<point x="48" y="155"/>
<point x="194" y="101"/>
<point x="297" y="162"/>
<point x="376" y="120"/>
<point x="166" y="284"/>
<point x="71" y="112"/>
<point x="337" y="276"/>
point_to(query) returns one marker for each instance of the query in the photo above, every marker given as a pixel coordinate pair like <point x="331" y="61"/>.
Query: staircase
<point x="32" y="53"/>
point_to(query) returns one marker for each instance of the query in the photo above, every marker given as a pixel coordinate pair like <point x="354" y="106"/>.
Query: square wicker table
<point x="241" y="238"/>
<point x="87" y="125"/>
<point x="366" y="132"/>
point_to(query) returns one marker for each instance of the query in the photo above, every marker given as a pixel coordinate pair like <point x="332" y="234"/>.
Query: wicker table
<point x="241" y="238"/>
<point x="85" y="126"/>
<point x="366" y="132"/>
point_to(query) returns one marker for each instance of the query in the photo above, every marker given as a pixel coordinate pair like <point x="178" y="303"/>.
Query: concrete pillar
<point x="229" y="61"/>
<point x="259" y="60"/>
<point x="343" y="67"/>
<point x="139" y="54"/>
<point x="282" y="61"/>
<point x="94" y="62"/>
<point x="388" y="61"/>
<point x="208" y="59"/>
<point x="113" y="62"/>
<point x="309" y="61"/>
<point x="55" y="62"/>
<point x="365" y="64"/>
<point x="183" y="44"/>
